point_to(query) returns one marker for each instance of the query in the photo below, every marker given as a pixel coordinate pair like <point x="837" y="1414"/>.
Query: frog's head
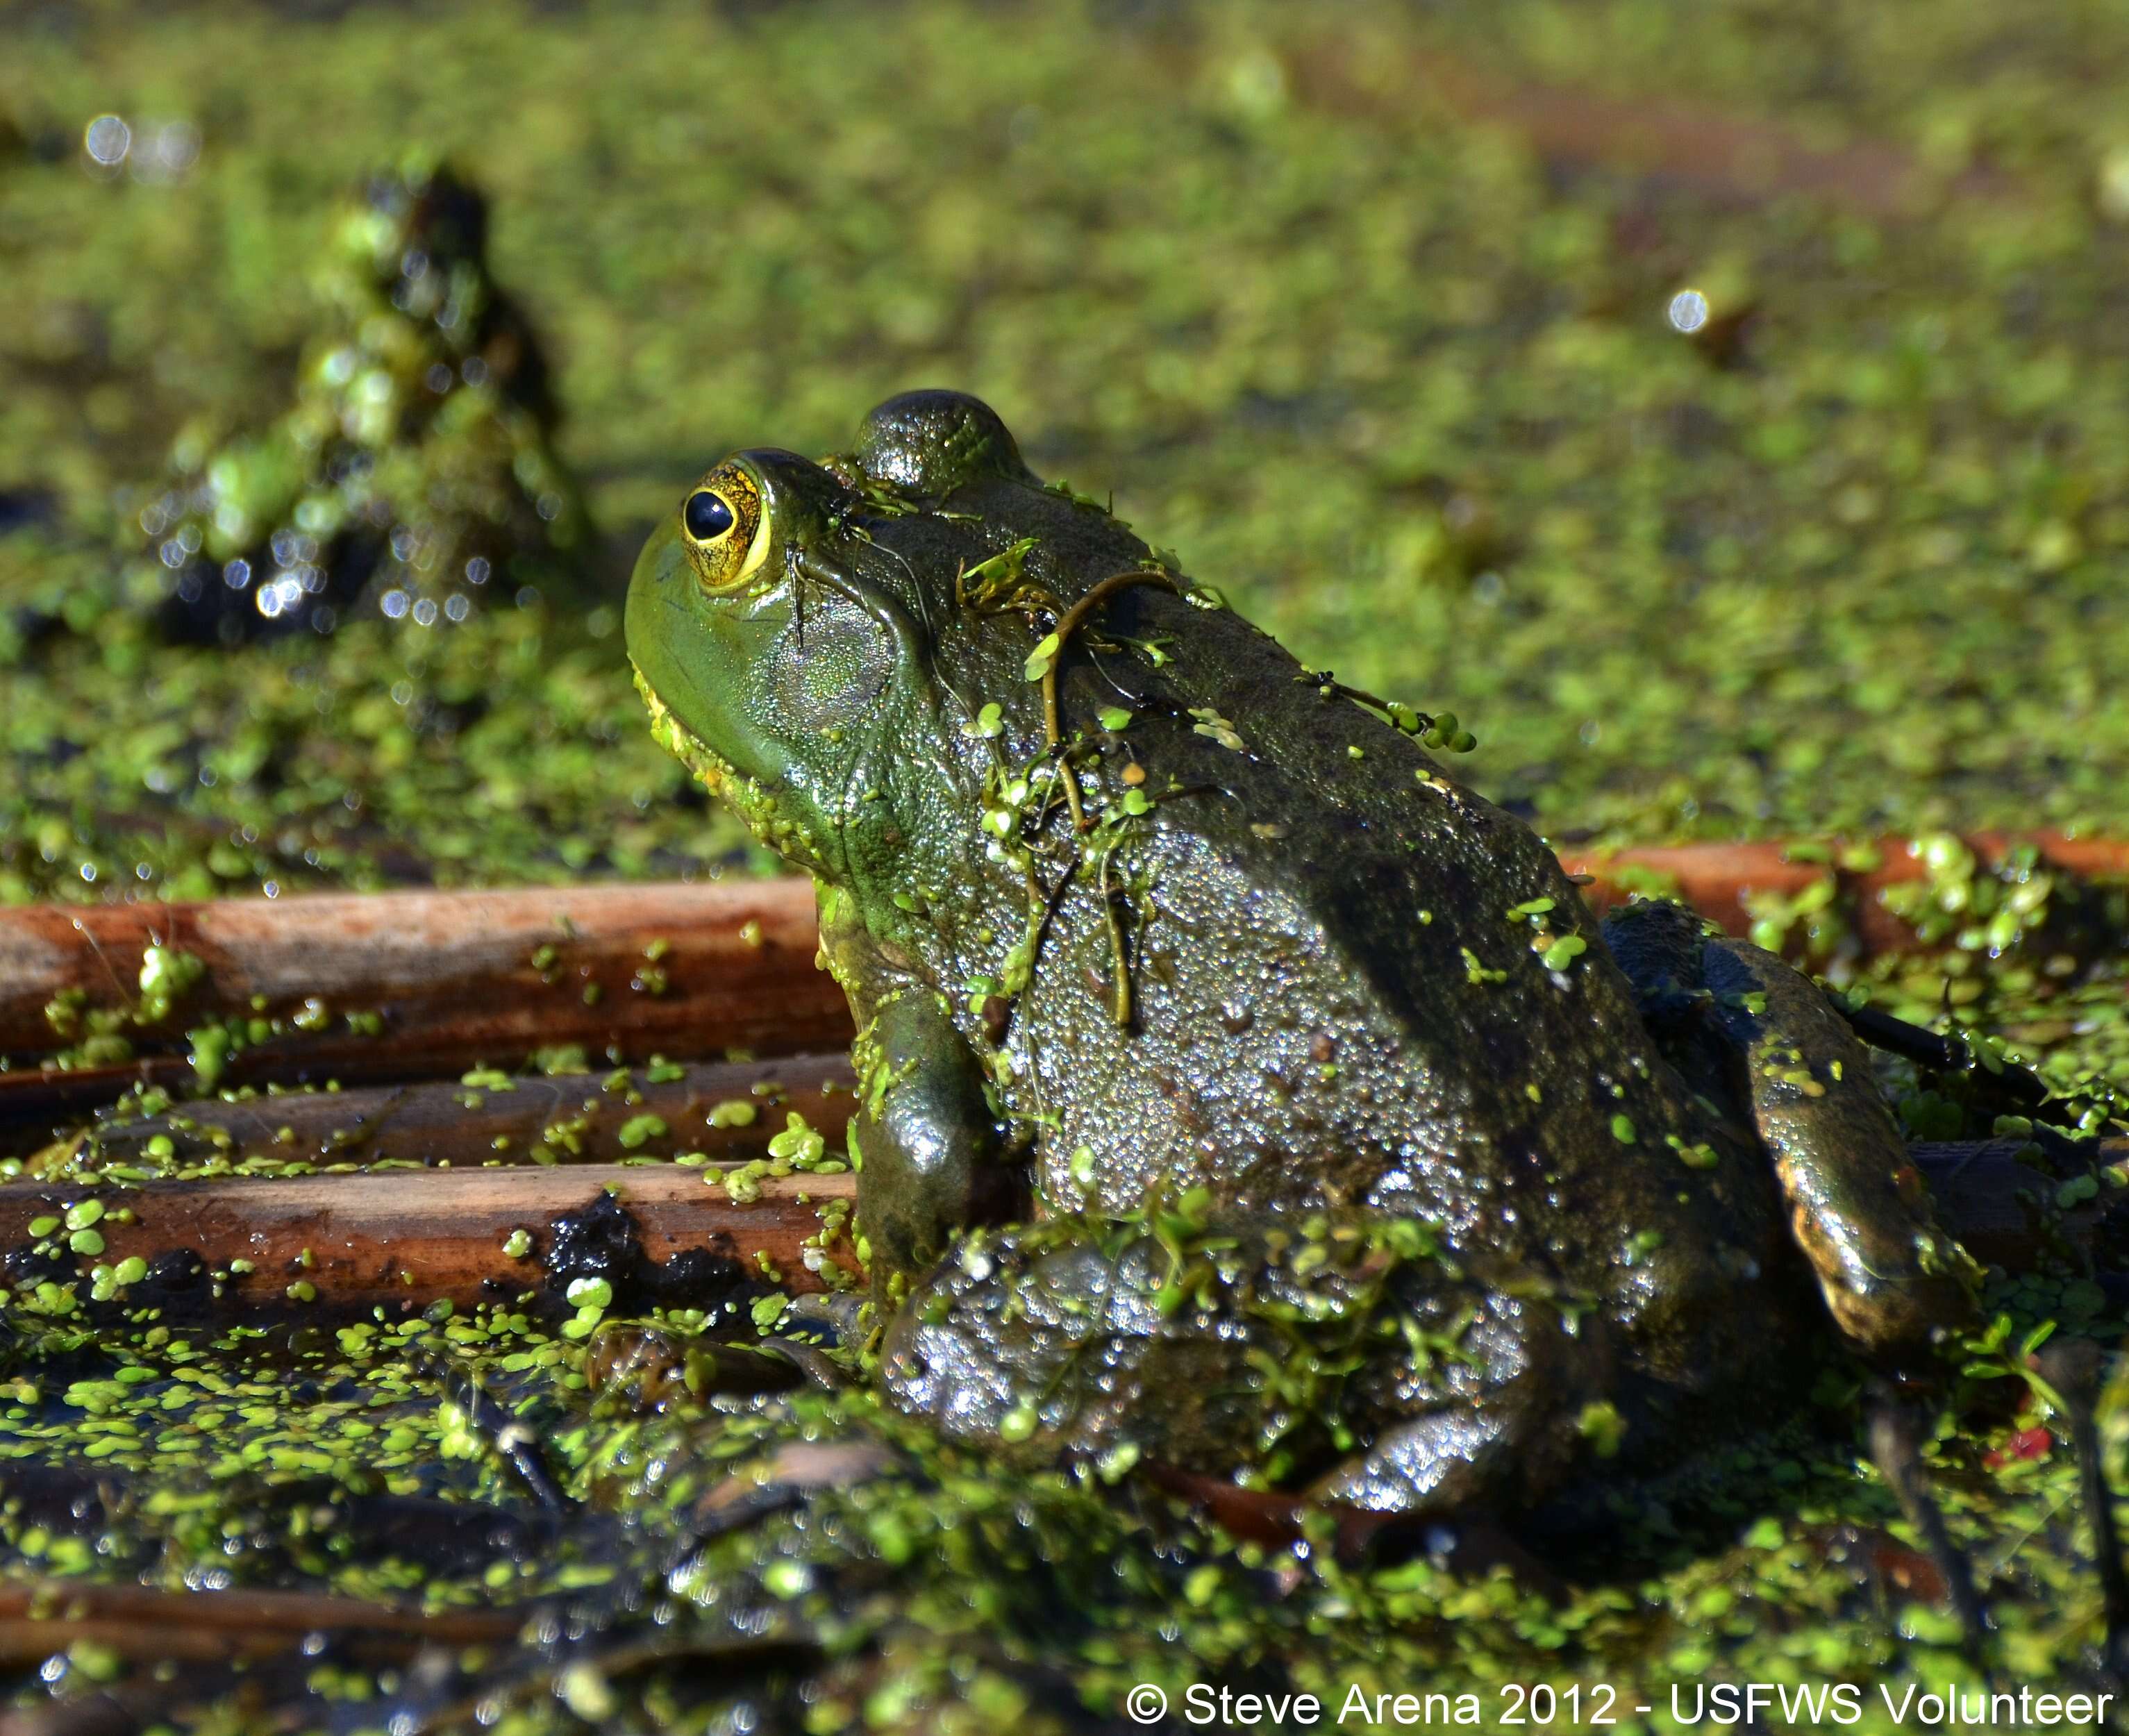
<point x="788" y="621"/>
<point x="717" y="617"/>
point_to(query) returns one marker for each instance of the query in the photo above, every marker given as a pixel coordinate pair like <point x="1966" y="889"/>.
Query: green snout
<point x="660" y="618"/>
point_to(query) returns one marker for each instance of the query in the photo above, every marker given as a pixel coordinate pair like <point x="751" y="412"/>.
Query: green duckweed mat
<point x="1373" y="314"/>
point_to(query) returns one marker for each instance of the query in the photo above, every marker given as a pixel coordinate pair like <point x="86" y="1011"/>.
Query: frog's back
<point x="1353" y="980"/>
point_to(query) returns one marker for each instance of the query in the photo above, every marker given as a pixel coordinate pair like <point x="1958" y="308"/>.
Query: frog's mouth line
<point x="756" y="806"/>
<point x="683" y="744"/>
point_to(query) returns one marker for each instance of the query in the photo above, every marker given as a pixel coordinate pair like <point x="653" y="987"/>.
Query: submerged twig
<point x="43" y="1607"/>
<point x="1898" y="1457"/>
<point x="506" y="1435"/>
<point x="2071" y="1366"/>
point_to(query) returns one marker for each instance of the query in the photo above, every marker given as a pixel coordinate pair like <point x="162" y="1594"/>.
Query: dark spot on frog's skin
<point x="1236" y="1018"/>
<point x="1189" y="1118"/>
<point x="997" y="1012"/>
<point x="1322" y="1047"/>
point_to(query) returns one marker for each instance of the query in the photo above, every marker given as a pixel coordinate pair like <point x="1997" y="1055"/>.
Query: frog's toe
<point x="1443" y="1462"/>
<point x="1857" y="1205"/>
<point x="946" y="1357"/>
<point x="1500" y="1423"/>
<point x="1747" y="1030"/>
<point x="931" y="442"/>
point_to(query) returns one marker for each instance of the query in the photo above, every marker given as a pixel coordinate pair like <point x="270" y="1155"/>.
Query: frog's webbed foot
<point x="1351" y="1359"/>
<point x="1738" y="1018"/>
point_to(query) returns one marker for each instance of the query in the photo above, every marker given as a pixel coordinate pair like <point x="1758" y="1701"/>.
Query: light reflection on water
<point x="1687" y="310"/>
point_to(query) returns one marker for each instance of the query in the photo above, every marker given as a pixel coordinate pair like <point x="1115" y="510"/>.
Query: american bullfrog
<point x="1238" y="1088"/>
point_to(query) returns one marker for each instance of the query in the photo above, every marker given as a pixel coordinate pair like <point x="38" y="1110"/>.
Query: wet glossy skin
<point x="1218" y="963"/>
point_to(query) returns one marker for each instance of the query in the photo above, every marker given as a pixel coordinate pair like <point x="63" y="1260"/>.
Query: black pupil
<point x="708" y="516"/>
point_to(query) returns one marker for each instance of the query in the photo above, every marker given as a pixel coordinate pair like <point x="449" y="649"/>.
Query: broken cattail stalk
<point x="405" y="1239"/>
<point x="286" y="1616"/>
<point x="411" y="985"/>
<point x="1721" y="880"/>
<point x="2004" y="1211"/>
<point x="1896" y="1448"/>
<point x="416" y="985"/>
<point x="726" y="1111"/>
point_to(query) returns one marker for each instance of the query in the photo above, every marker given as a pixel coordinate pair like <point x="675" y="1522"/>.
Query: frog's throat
<point x="745" y="796"/>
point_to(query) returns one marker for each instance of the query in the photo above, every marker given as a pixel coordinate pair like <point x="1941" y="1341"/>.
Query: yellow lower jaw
<point x="754" y="804"/>
<point x="672" y="735"/>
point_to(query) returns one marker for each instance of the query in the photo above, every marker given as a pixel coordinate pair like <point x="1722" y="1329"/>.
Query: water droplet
<point x="280" y="596"/>
<point x="107" y="139"/>
<point x="1687" y="310"/>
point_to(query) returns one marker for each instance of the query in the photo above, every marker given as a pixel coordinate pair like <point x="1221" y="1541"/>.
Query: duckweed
<point x="1719" y="511"/>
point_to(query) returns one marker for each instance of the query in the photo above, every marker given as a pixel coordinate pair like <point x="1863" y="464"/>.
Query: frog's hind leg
<point x="1496" y="1424"/>
<point x="1349" y="1358"/>
<point x="1857" y="1206"/>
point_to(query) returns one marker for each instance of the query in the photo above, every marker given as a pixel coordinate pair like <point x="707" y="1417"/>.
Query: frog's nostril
<point x="706" y="515"/>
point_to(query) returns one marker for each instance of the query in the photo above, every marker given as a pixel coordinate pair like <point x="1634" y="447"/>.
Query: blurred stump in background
<point x="414" y="471"/>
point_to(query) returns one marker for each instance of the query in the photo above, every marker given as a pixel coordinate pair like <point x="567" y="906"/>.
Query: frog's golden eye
<point x="709" y="515"/>
<point x="728" y="528"/>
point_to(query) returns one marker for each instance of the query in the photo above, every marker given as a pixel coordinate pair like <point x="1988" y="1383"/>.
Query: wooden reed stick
<point x="417" y="985"/>
<point x="570" y="1118"/>
<point x="404" y="1239"/>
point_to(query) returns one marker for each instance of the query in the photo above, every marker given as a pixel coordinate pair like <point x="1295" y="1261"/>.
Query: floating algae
<point x="1406" y="384"/>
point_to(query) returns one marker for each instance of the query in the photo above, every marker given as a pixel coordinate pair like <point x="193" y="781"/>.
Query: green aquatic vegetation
<point x="1976" y="908"/>
<point x="416" y="461"/>
<point x="911" y="1554"/>
<point x="1846" y="559"/>
<point x="1861" y="581"/>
